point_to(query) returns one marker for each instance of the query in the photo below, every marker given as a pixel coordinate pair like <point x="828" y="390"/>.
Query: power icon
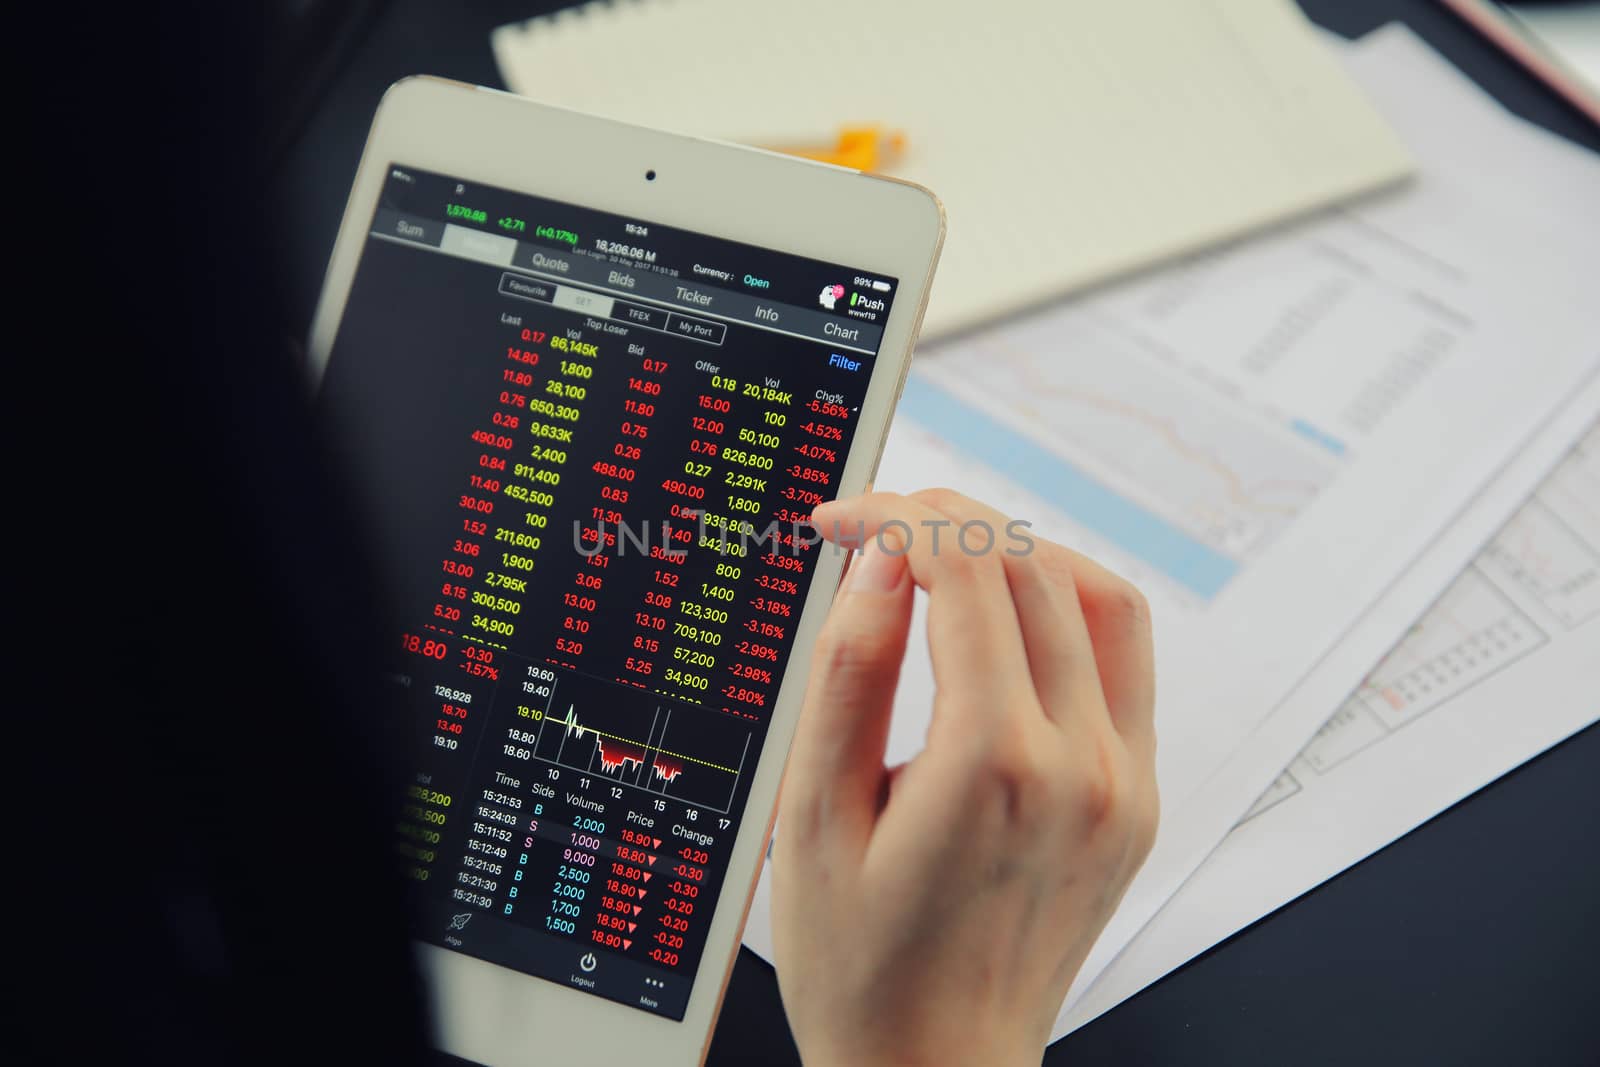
<point x="588" y="963"/>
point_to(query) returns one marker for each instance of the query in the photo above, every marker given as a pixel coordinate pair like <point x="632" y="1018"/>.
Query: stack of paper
<point x="1069" y="141"/>
<point x="1500" y="667"/>
<point x="1295" y="446"/>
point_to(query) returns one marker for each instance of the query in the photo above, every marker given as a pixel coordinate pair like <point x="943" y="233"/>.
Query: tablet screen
<point x="589" y="443"/>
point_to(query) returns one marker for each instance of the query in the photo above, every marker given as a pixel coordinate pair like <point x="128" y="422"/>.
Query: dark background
<point x="1471" y="940"/>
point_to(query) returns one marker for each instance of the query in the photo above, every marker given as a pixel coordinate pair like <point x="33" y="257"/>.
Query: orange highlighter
<point x="869" y="148"/>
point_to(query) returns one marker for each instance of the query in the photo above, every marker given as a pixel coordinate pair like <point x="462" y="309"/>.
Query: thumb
<point x="836" y="776"/>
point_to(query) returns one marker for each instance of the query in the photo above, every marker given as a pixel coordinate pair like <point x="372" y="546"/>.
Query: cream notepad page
<point x="1070" y="141"/>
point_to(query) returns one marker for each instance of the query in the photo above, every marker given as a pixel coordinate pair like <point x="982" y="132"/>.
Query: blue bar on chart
<point x="1321" y="437"/>
<point x="1137" y="530"/>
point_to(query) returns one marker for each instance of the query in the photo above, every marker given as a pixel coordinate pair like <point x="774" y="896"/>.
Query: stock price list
<point x="618" y="564"/>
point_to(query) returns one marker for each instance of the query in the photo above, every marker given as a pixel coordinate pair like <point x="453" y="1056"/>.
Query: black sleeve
<point x="211" y="770"/>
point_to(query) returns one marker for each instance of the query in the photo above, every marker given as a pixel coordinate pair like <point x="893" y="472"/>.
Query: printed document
<point x="1266" y="439"/>
<point x="1505" y="664"/>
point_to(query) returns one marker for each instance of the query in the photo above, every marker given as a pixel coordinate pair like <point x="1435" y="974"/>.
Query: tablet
<point x="590" y="380"/>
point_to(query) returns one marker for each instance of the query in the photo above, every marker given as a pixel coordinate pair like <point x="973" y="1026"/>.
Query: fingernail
<point x="876" y="570"/>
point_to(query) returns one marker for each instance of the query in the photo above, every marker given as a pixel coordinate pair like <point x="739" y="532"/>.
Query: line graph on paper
<point x="1546" y="553"/>
<point x="1224" y="473"/>
<point x="1472" y="631"/>
<point x="675" y="752"/>
<point x="1551" y="548"/>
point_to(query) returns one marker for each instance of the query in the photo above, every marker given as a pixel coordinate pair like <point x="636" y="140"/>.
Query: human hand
<point x="938" y="912"/>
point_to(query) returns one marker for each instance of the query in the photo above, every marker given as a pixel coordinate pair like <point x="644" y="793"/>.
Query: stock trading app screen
<point x="590" y="444"/>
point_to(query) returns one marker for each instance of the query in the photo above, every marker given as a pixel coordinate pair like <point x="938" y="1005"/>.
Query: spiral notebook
<point x="1070" y="142"/>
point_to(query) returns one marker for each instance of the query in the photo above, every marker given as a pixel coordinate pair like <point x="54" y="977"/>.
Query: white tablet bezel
<point x="493" y="1014"/>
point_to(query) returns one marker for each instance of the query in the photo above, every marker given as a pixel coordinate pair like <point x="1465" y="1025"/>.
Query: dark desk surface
<point x="1474" y="939"/>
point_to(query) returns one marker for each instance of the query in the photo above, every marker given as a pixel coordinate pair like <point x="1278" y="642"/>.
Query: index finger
<point x="1108" y="610"/>
<point x="1055" y="634"/>
<point x="973" y="632"/>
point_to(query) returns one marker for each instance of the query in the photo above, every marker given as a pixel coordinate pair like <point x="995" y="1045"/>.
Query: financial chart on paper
<point x="1551" y="549"/>
<point x="1536" y="581"/>
<point x="1183" y="479"/>
<point x="1181" y="424"/>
